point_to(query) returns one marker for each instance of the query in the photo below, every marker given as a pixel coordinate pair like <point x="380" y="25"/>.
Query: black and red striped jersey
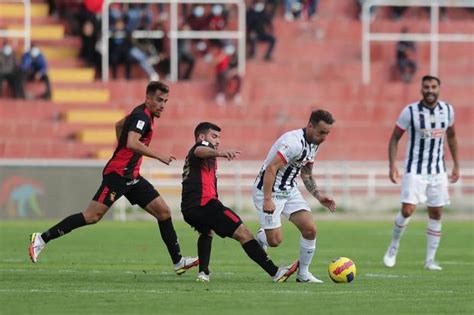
<point x="199" y="179"/>
<point x="126" y="162"/>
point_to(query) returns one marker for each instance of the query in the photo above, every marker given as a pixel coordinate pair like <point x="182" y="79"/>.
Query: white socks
<point x="307" y="248"/>
<point x="433" y="236"/>
<point x="399" y="227"/>
<point x="261" y="238"/>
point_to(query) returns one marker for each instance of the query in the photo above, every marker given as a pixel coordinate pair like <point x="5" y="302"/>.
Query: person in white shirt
<point x="425" y="179"/>
<point x="275" y="192"/>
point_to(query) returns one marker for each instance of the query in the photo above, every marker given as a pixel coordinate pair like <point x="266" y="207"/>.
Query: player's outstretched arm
<point x="312" y="188"/>
<point x="203" y="152"/>
<point x="392" y="154"/>
<point x="134" y="144"/>
<point x="453" y="148"/>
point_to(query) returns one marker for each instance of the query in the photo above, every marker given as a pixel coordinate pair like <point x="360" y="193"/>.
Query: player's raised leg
<point x="160" y="210"/>
<point x="303" y="220"/>
<point x="401" y="221"/>
<point x="257" y="254"/>
<point x="91" y="215"/>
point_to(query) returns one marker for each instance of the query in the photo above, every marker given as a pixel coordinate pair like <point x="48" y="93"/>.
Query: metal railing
<point x="174" y="34"/>
<point x="434" y="37"/>
<point x="26" y="32"/>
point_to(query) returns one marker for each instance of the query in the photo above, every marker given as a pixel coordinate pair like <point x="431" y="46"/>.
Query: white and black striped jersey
<point x="426" y="132"/>
<point x="293" y="148"/>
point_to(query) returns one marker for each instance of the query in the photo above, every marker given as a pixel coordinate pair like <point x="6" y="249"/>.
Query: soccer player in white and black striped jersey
<point x="275" y="192"/>
<point x="425" y="179"/>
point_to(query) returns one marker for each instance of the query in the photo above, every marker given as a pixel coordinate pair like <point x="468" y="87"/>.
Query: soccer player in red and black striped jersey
<point x="121" y="177"/>
<point x="202" y="209"/>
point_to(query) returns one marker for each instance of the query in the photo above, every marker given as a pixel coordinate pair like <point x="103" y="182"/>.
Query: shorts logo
<point x="140" y="124"/>
<point x="112" y="196"/>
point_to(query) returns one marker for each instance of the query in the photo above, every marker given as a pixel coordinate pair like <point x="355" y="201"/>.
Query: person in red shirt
<point x="121" y="177"/>
<point x="202" y="209"/>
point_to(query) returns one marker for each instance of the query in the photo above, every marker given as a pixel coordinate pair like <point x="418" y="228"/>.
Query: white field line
<point x="215" y="291"/>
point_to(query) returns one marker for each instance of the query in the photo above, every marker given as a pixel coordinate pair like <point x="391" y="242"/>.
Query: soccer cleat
<point x="390" y="257"/>
<point x="202" y="277"/>
<point x="284" y="273"/>
<point x="263" y="245"/>
<point x="432" y="265"/>
<point x="308" y="277"/>
<point x="184" y="264"/>
<point x="36" y="246"/>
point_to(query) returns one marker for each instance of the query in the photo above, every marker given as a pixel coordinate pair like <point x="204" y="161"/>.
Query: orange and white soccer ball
<point x="342" y="270"/>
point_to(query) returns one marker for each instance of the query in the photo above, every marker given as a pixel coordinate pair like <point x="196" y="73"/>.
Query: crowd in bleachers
<point x="151" y="53"/>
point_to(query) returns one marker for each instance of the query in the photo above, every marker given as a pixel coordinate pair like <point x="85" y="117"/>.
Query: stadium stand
<point x="315" y="64"/>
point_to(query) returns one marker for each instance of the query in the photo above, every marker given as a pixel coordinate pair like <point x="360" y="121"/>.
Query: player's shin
<point x="433" y="237"/>
<point x="257" y="254"/>
<point x="204" y="245"/>
<point x="307" y="249"/>
<point x="399" y="227"/>
<point x="168" y="234"/>
<point x="65" y="226"/>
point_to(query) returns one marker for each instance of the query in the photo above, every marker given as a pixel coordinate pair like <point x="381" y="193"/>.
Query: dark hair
<point x="320" y="114"/>
<point x="429" y="78"/>
<point x="156" y="85"/>
<point x="203" y="128"/>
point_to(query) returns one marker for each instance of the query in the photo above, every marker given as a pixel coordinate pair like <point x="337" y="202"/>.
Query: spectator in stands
<point x="260" y="29"/>
<point x="405" y="54"/>
<point x="119" y="48"/>
<point x="312" y="7"/>
<point x="185" y="57"/>
<point x="10" y="72"/>
<point x="90" y="52"/>
<point x="227" y="79"/>
<point x="218" y="18"/>
<point x="143" y="51"/>
<point x="35" y="68"/>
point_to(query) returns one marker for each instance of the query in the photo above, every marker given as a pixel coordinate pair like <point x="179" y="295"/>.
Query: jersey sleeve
<point x="139" y="122"/>
<point x="288" y="148"/>
<point x="404" y="119"/>
<point x="199" y="144"/>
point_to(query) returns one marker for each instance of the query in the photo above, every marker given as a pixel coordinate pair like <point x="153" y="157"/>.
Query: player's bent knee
<point x="274" y="241"/>
<point x="309" y="233"/>
<point x="92" y="218"/>
<point x="243" y="234"/>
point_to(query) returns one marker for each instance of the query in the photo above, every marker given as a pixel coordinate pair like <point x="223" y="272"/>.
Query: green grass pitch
<point x="123" y="268"/>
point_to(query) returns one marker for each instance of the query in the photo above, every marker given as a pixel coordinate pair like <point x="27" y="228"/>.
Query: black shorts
<point x="213" y="216"/>
<point x="138" y="191"/>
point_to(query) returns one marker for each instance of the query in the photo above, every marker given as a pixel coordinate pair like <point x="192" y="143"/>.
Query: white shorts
<point x="431" y="189"/>
<point x="286" y="203"/>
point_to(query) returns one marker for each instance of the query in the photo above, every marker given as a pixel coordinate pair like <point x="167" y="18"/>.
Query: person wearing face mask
<point x="260" y="29"/>
<point x="10" y="72"/>
<point x="34" y="67"/>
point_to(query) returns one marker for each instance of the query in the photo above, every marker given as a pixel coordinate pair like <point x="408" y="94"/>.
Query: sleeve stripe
<point x="400" y="128"/>
<point x="282" y="156"/>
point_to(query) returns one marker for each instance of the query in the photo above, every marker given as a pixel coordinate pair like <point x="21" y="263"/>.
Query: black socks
<point x="65" y="226"/>
<point x="257" y="254"/>
<point x="168" y="234"/>
<point x="204" y="244"/>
